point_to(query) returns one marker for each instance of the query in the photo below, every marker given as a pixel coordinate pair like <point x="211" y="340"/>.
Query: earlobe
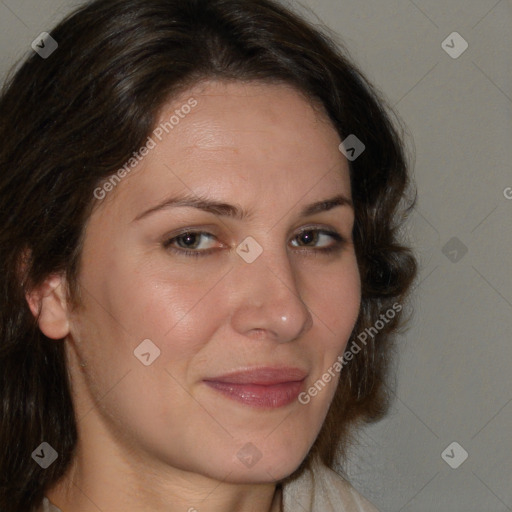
<point x="49" y="302"/>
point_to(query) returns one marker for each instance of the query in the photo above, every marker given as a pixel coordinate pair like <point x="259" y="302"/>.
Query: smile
<point x="264" y="387"/>
<point x="257" y="395"/>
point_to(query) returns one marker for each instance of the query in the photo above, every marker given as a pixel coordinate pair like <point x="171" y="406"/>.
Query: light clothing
<point x="323" y="490"/>
<point x="48" y="507"/>
<point x="317" y="490"/>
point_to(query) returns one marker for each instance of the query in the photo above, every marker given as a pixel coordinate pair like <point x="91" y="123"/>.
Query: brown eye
<point x="308" y="237"/>
<point x="322" y="239"/>
<point x="191" y="243"/>
<point x="188" y="240"/>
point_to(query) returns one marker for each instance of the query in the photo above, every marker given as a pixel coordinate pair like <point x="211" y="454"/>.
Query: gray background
<point x="454" y="372"/>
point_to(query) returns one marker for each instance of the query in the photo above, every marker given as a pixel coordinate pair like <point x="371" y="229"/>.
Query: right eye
<point x="190" y="243"/>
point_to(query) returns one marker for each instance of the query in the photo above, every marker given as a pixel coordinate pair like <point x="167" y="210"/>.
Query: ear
<point x="50" y="300"/>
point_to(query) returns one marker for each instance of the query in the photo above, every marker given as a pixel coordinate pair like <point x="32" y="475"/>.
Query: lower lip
<point x="269" y="397"/>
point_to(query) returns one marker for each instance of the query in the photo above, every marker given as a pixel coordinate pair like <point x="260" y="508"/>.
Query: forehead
<point x="232" y="115"/>
<point x="239" y="139"/>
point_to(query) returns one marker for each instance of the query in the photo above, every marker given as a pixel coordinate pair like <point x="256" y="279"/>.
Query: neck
<point x="89" y="487"/>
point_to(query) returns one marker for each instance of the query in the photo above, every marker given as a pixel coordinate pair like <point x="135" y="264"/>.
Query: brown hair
<point x="69" y="121"/>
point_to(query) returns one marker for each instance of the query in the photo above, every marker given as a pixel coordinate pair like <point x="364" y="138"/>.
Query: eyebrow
<point x="235" y="212"/>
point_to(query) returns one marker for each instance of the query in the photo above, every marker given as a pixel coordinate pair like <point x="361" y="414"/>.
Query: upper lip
<point x="262" y="376"/>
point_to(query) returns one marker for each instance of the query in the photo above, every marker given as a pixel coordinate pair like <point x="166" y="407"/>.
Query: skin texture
<point x="157" y="437"/>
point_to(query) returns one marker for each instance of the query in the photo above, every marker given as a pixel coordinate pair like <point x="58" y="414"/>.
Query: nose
<point x="268" y="301"/>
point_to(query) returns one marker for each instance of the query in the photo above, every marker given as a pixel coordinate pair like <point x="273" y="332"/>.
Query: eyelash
<point x="338" y="244"/>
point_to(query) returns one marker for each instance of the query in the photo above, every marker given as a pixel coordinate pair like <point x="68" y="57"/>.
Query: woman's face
<point x="252" y="292"/>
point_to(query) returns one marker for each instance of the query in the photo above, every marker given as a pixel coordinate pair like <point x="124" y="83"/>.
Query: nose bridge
<point x="270" y="295"/>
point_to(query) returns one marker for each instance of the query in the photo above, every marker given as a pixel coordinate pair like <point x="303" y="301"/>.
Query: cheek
<point x="178" y="315"/>
<point x="147" y="300"/>
<point x="124" y="307"/>
<point x="180" y="311"/>
<point x="335" y="298"/>
<point x="335" y="302"/>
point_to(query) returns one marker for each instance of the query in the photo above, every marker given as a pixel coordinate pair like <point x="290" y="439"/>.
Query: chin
<point x="252" y="465"/>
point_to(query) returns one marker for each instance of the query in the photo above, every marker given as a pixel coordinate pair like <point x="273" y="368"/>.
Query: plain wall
<point x="454" y="373"/>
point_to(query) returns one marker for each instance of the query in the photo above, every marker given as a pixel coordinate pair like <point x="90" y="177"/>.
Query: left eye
<point x="317" y="238"/>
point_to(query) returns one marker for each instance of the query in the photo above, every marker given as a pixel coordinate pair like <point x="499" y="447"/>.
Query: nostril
<point x="258" y="332"/>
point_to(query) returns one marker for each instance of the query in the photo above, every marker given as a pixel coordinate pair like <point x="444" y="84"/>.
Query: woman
<point x="201" y="274"/>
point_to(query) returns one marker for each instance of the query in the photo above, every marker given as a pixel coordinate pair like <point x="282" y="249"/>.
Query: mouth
<point x="267" y="388"/>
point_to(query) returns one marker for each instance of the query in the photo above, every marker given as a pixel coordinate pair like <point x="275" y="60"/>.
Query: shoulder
<point x="320" y="489"/>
